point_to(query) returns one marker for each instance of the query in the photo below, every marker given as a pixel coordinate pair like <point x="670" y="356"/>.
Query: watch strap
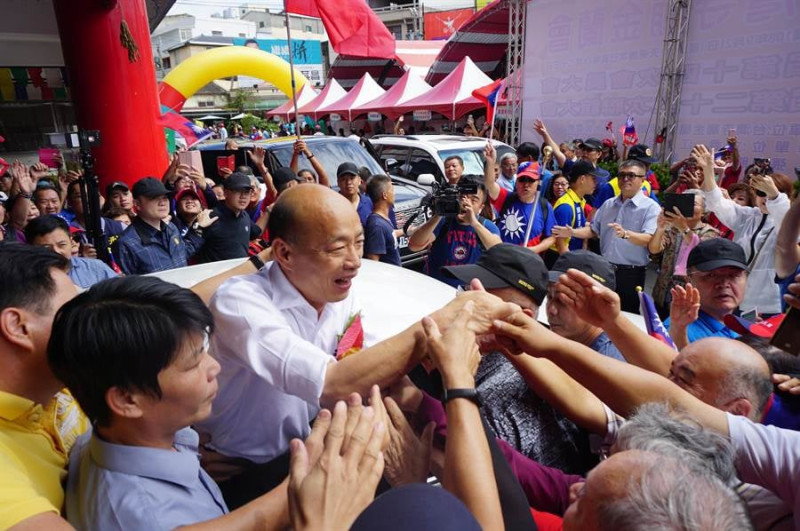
<point x="469" y="394"/>
<point x="257" y="262"/>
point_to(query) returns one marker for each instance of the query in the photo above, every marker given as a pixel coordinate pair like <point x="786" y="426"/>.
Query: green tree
<point x="238" y="100"/>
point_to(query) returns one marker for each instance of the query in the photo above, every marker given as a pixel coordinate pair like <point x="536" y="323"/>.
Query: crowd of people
<point x="262" y="397"/>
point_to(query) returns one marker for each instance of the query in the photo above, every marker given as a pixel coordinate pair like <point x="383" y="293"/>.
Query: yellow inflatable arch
<point x="227" y="61"/>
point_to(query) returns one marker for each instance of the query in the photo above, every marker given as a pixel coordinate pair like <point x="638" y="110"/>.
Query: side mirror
<point x="426" y="179"/>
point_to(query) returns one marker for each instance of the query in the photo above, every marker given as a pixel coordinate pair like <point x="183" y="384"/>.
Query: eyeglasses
<point x="560" y="185"/>
<point x="629" y="175"/>
<point x="719" y="276"/>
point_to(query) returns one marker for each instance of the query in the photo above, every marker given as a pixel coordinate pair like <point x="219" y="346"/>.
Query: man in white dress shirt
<point x="277" y="334"/>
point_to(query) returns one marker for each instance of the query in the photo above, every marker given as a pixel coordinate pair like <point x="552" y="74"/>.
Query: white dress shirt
<point x="274" y="351"/>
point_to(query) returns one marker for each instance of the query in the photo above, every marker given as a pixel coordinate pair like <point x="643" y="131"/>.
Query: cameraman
<point x="458" y="240"/>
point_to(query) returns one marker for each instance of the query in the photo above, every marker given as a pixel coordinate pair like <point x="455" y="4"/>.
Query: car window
<point x="473" y="158"/>
<point x="422" y="162"/>
<point x="399" y="155"/>
<point x="330" y="155"/>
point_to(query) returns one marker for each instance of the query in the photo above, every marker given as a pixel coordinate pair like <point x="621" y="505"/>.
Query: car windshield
<point x="330" y="155"/>
<point x="473" y="158"/>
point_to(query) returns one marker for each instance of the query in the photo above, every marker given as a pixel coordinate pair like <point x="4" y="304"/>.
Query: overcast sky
<point x="208" y="7"/>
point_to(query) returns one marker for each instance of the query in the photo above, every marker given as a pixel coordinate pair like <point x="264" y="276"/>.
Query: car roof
<point x="435" y="141"/>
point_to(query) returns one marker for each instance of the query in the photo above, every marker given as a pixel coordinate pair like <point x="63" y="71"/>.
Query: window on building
<point x="242" y="35"/>
<point x="216" y="33"/>
<point x="166" y="63"/>
<point x="309" y="29"/>
<point x="185" y="34"/>
<point x="261" y="24"/>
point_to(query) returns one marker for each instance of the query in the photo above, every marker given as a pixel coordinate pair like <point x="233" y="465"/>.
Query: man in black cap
<point x="643" y="154"/>
<point x="150" y="243"/>
<point x="230" y="236"/>
<point x="348" y="180"/>
<point x="284" y="179"/>
<point x="564" y="321"/>
<point x="517" y="414"/>
<point x="718" y="271"/>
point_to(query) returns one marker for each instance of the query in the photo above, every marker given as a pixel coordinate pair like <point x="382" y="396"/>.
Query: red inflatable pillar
<point x="112" y="81"/>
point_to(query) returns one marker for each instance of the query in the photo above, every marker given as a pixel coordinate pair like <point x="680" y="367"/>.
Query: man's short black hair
<point x="25" y="280"/>
<point x="44" y="225"/>
<point x="121" y="333"/>
<point x="454" y="157"/>
<point x="528" y="149"/>
<point x="376" y="186"/>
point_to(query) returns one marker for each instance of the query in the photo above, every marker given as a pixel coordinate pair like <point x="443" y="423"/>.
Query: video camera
<point x="446" y="199"/>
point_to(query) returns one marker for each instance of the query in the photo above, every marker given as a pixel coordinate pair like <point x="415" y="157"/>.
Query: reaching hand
<point x="22" y="177"/>
<point x="406" y="394"/>
<point x="198" y="178"/>
<point x="490" y="153"/>
<point x="204" y="219"/>
<point x="39" y="170"/>
<point x="170" y="175"/>
<point x="455" y="353"/>
<point x="676" y="219"/>
<point x="764" y="183"/>
<point x="225" y="173"/>
<point x="540" y="128"/>
<point x="257" y="155"/>
<point x="487" y="308"/>
<point x="407" y="456"/>
<point x="685" y="306"/>
<point x="618" y="229"/>
<point x="562" y="232"/>
<point x="523" y="333"/>
<point x="595" y="304"/>
<point x="334" y="491"/>
<point x="786" y="383"/>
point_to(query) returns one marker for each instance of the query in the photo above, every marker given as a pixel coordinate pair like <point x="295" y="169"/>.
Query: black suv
<point x="330" y="151"/>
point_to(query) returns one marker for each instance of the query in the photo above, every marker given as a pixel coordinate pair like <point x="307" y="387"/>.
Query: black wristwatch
<point x="469" y="394"/>
<point x="257" y="262"/>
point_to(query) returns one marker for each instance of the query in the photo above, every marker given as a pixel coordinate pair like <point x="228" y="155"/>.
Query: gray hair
<point x="508" y="156"/>
<point x="746" y="382"/>
<point x="698" y="193"/>
<point x="665" y="494"/>
<point x="655" y="428"/>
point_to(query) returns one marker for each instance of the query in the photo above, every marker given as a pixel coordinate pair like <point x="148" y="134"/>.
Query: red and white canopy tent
<point x="306" y="94"/>
<point x="484" y="38"/>
<point x="365" y="91"/>
<point x="416" y="56"/>
<point x="332" y="92"/>
<point x="452" y="96"/>
<point x="407" y="88"/>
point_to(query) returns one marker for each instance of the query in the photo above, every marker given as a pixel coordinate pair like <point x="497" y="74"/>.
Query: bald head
<point x="726" y="374"/>
<point x="303" y="210"/>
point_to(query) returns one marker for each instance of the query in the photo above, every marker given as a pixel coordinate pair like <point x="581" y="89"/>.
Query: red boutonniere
<point x="352" y="339"/>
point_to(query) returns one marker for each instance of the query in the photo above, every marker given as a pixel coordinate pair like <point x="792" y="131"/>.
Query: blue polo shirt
<point x="112" y="486"/>
<point x="706" y="326"/>
<point x="379" y="239"/>
<point x="85" y="272"/>
<point x="455" y="244"/>
<point x="513" y="219"/>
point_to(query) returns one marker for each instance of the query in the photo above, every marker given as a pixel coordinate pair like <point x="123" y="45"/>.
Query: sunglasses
<point x="629" y="175"/>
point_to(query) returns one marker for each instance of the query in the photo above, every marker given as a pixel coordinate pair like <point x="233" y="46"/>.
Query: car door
<point x="394" y="159"/>
<point x="421" y="162"/>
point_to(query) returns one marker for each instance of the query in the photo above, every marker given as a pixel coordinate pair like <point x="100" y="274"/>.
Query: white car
<point x="393" y="298"/>
<point x="421" y="158"/>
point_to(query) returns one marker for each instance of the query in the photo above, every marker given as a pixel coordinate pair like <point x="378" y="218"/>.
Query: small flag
<point x="191" y="132"/>
<point x="661" y="136"/>
<point x="489" y="95"/>
<point x="628" y="131"/>
<point x="655" y="328"/>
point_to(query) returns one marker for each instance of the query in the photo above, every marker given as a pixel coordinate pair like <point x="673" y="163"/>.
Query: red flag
<point x="489" y="95"/>
<point x="352" y="27"/>
<point x="187" y="129"/>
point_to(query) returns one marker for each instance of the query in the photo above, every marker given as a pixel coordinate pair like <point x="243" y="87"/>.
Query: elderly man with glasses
<point x="625" y="224"/>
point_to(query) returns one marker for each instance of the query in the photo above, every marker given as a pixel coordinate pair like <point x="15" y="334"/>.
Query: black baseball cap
<point x="506" y="265"/>
<point x="582" y="167"/>
<point x="642" y="153"/>
<point x="116" y="185"/>
<point x="149" y="187"/>
<point x="284" y="176"/>
<point x="716" y="253"/>
<point x="346" y="168"/>
<point x="592" y="143"/>
<point x="238" y="181"/>
<point x="590" y="263"/>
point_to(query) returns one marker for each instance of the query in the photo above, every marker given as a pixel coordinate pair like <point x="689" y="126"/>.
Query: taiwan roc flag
<point x="190" y="131"/>
<point x="629" y="136"/>
<point x="489" y="95"/>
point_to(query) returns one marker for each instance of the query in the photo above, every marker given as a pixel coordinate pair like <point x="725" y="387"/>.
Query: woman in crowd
<point x="672" y="241"/>
<point x="557" y="187"/>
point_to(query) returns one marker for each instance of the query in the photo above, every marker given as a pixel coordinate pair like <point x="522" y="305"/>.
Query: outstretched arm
<point x="787" y="252"/>
<point x="540" y="128"/>
<point x="489" y="181"/>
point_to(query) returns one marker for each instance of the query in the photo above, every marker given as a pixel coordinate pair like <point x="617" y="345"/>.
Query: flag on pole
<point x="628" y="131"/>
<point x="191" y="132"/>
<point x="352" y="27"/>
<point x="655" y="328"/>
<point x="490" y="95"/>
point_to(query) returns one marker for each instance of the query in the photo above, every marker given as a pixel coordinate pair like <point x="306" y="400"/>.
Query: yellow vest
<point x="572" y="199"/>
